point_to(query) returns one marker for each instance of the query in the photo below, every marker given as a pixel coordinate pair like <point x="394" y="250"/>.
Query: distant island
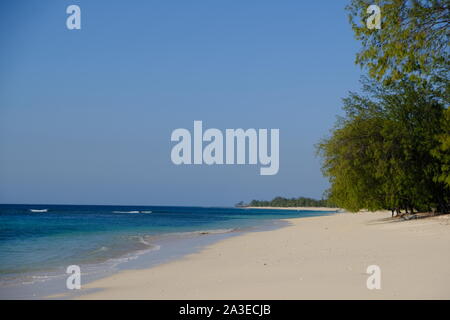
<point x="285" y="202"/>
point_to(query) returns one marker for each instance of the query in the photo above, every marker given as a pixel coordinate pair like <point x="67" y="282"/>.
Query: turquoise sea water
<point x="37" y="242"/>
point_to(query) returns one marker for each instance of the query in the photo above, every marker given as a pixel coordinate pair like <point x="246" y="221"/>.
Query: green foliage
<point x="442" y="152"/>
<point x="392" y="148"/>
<point x="293" y="202"/>
<point x="413" y="39"/>
<point x="378" y="156"/>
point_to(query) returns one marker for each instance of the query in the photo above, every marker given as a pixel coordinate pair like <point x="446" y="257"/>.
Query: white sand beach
<point x="322" y="257"/>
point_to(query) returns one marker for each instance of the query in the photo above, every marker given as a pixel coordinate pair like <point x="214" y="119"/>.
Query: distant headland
<point x="289" y="203"/>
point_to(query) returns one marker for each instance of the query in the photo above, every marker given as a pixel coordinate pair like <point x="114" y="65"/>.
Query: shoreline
<point x="297" y="208"/>
<point x="175" y="247"/>
<point x="50" y="283"/>
<point x="313" y="258"/>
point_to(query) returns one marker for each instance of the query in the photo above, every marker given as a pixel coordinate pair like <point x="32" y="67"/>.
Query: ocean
<point x="38" y="242"/>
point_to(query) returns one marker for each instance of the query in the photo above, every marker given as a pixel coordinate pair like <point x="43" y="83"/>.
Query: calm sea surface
<point x="38" y="242"/>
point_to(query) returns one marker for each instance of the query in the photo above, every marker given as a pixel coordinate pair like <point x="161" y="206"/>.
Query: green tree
<point x="293" y="202"/>
<point x="392" y="150"/>
<point x="378" y="156"/>
<point x="413" y="39"/>
<point x="442" y="152"/>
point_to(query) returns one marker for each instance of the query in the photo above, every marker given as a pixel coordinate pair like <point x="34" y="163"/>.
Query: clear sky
<point x="86" y="115"/>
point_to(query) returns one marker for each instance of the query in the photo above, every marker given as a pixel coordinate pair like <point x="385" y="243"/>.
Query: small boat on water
<point x="38" y="210"/>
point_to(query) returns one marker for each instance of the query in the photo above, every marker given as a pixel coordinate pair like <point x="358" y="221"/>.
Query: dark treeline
<point x="391" y="149"/>
<point x="285" y="202"/>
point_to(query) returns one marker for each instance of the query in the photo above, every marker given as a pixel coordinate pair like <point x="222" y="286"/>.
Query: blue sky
<point x="86" y="115"/>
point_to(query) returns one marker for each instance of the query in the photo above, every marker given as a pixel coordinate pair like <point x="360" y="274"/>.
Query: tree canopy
<point x="378" y="156"/>
<point x="391" y="150"/>
<point x="292" y="202"/>
<point x="413" y="39"/>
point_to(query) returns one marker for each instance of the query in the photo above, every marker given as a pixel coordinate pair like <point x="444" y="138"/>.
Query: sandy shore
<point x="320" y="257"/>
<point x="296" y="208"/>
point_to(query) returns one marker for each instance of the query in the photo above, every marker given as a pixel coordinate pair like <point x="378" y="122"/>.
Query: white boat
<point x="38" y="210"/>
